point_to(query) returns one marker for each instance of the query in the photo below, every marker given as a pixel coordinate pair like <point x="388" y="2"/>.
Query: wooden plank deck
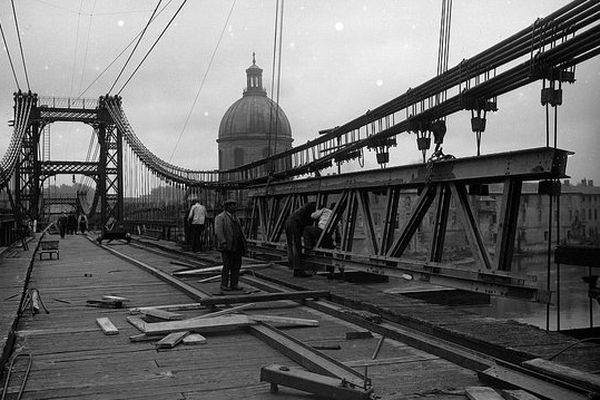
<point x="72" y="358"/>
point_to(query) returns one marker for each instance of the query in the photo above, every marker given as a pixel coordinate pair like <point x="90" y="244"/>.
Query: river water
<point x="574" y="302"/>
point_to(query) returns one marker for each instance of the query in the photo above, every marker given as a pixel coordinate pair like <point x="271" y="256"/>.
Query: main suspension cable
<point x="12" y="67"/>
<point x="20" y="43"/>
<point x="136" y="45"/>
<point x="87" y="44"/>
<point x="153" y="46"/>
<point x="212" y="57"/>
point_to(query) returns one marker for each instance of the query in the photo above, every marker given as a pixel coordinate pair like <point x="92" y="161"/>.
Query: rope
<point x="12" y="67"/>
<point x="136" y="45"/>
<point x="212" y="57"/>
<point x="20" y="43"/>
<point x="153" y="46"/>
<point x="273" y="76"/>
<point x="87" y="45"/>
<point x="278" y="77"/>
<point x="76" y="46"/>
<point x="571" y="346"/>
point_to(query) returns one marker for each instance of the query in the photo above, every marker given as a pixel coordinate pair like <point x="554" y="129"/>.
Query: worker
<point x="196" y="218"/>
<point x="312" y="233"/>
<point x="232" y="245"/>
<point x="294" y="228"/>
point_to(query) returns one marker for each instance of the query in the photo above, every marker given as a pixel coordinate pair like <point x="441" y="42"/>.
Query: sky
<point x="339" y="59"/>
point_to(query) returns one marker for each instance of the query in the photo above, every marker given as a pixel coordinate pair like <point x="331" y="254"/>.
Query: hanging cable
<point x="20" y="43"/>
<point x="136" y="45"/>
<point x="212" y="57"/>
<point x="87" y="44"/>
<point x="153" y="46"/>
<point x="12" y="67"/>
<point x="120" y="53"/>
<point x="75" y="48"/>
<point x="273" y="79"/>
<point x="278" y="77"/>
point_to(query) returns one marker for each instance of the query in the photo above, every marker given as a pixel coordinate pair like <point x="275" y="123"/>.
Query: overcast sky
<point x="340" y="58"/>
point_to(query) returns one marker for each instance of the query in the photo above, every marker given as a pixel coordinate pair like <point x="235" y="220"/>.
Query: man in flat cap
<point x="196" y="219"/>
<point x="232" y="245"/>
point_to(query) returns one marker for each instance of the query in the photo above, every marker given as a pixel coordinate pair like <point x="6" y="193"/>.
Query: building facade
<point x="254" y="127"/>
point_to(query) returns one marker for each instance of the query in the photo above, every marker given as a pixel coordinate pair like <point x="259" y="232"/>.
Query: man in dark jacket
<point x="294" y="227"/>
<point x="232" y="245"/>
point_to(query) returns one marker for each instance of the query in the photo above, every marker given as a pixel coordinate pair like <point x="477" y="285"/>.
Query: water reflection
<point x="574" y="302"/>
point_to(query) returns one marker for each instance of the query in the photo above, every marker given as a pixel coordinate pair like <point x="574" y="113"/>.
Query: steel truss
<point x="442" y="181"/>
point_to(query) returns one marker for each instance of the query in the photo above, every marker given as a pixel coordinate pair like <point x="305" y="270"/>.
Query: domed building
<point x="254" y="127"/>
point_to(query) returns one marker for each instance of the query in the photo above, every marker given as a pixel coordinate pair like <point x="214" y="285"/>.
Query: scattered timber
<point x="137" y="322"/>
<point x="215" y="324"/>
<point x="194" y="338"/>
<point x="162" y="314"/>
<point x="171" y="340"/>
<point x="482" y="393"/>
<point x="107" y="327"/>
<point x="169" y="307"/>
<point x="218" y="268"/>
<point x="224" y="312"/>
<point x="115" y="298"/>
<point x="564" y="373"/>
<point x="284" y="321"/>
<point x="300" y="295"/>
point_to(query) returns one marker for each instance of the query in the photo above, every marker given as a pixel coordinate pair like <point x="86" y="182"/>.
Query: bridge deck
<point x="72" y="358"/>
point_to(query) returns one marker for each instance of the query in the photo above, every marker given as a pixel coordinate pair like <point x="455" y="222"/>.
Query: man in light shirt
<point x="197" y="218"/>
<point x="312" y="233"/>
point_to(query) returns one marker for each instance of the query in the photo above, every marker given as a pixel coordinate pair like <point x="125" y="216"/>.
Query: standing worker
<point x="294" y="228"/>
<point x="312" y="233"/>
<point x="196" y="218"/>
<point x="82" y="223"/>
<point x="62" y="224"/>
<point x="232" y="245"/>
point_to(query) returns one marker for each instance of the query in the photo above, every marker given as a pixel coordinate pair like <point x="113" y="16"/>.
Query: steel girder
<point x="445" y="181"/>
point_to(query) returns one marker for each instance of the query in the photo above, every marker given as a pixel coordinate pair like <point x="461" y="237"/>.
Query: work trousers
<point x="196" y="234"/>
<point x="232" y="263"/>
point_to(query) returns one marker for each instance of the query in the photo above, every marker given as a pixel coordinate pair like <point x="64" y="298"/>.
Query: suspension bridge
<point x="138" y="193"/>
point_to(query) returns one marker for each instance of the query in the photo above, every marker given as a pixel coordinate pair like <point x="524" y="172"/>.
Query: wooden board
<point x="215" y="324"/>
<point x="284" y="321"/>
<point x="299" y="295"/>
<point x="217" y="268"/>
<point x="137" y="322"/>
<point x="482" y="393"/>
<point x="171" y="340"/>
<point x="580" y="378"/>
<point x="107" y="327"/>
<point x="194" y="338"/>
<point x="518" y="395"/>
<point x="115" y="298"/>
<point x="162" y="314"/>
<point x="224" y="312"/>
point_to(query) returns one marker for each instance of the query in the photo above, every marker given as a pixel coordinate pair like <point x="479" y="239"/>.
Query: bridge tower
<point x="31" y="116"/>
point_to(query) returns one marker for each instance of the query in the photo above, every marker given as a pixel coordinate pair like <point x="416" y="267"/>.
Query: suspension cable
<point x="136" y="46"/>
<point x="12" y="67"/>
<point x="273" y="76"/>
<point x="153" y="46"/>
<point x="75" y="47"/>
<point x="278" y="76"/>
<point x="87" y="44"/>
<point x="212" y="57"/>
<point x="120" y="53"/>
<point x="20" y="43"/>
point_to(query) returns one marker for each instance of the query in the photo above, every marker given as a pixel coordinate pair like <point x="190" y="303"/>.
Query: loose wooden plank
<point x="162" y="314"/>
<point x="137" y="322"/>
<point x="209" y="279"/>
<point x="224" y="312"/>
<point x="107" y="327"/>
<point x="171" y="340"/>
<point x="299" y="295"/>
<point x="142" y="337"/>
<point x="194" y="338"/>
<point x="286" y="321"/>
<point x="215" y="324"/>
<point x="218" y="268"/>
<point x="482" y="393"/>
<point x="115" y="298"/>
<point x="309" y="358"/>
<point x="562" y="372"/>
<point x="169" y="307"/>
<point x="518" y="395"/>
<point x="498" y="375"/>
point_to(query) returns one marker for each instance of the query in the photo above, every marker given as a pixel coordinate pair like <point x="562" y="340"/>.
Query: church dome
<point x="254" y="115"/>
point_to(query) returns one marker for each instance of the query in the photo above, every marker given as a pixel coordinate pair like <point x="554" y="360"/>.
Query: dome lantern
<point x="254" y="80"/>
